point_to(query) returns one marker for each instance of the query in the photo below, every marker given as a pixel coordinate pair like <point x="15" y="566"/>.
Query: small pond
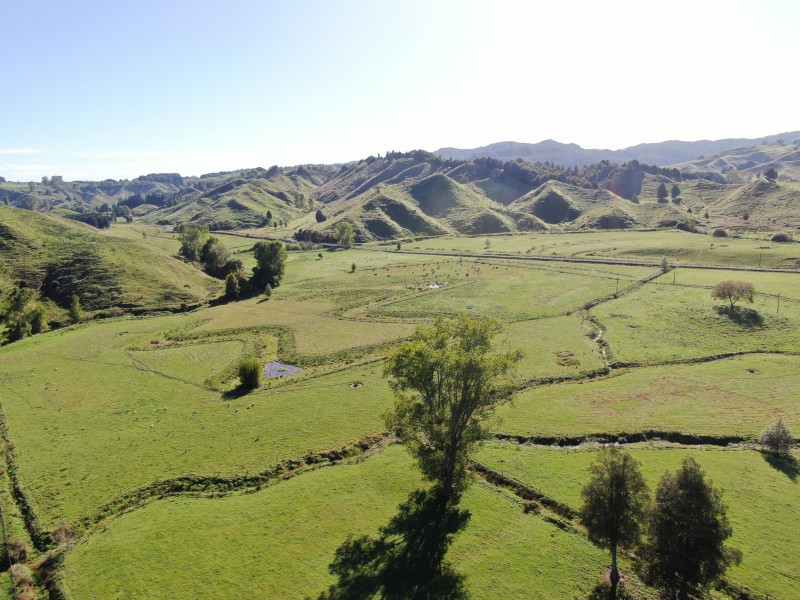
<point x="276" y="369"/>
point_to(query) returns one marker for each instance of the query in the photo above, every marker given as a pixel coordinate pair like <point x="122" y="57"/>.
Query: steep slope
<point x="743" y="164"/>
<point x="60" y="257"/>
<point x="760" y="204"/>
<point x="567" y="206"/>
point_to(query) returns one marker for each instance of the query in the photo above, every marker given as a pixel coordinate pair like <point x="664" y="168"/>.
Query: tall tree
<point x="675" y="192"/>
<point x="661" y="192"/>
<point x="446" y="380"/>
<point x="271" y="259"/>
<point x="75" y="311"/>
<point x="771" y="174"/>
<point x="687" y="527"/>
<point x="614" y="505"/>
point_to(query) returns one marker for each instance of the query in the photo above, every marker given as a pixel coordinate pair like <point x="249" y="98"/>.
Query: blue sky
<point x="112" y="89"/>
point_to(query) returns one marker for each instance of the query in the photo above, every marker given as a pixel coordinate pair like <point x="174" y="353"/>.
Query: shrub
<point x="75" y="311"/>
<point x="22" y="575"/>
<point x="719" y="233"/>
<point x="781" y="237"/>
<point x="17" y="551"/>
<point x="250" y="372"/>
<point x="777" y="437"/>
<point x="353" y="268"/>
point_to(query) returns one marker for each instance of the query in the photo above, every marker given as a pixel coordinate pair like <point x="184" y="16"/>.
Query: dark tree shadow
<point x="747" y="317"/>
<point x="602" y="591"/>
<point x="785" y="463"/>
<point x="236" y="392"/>
<point x="406" y="560"/>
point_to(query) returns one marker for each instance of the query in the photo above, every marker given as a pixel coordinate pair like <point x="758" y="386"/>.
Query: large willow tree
<point x="446" y="379"/>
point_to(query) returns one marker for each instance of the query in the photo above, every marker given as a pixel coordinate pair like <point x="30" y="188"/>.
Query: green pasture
<point x="506" y="291"/>
<point x="555" y="347"/>
<point x="679" y="247"/>
<point x="787" y="285"/>
<point x="734" y="396"/>
<point x="92" y="419"/>
<point x="277" y="543"/>
<point x="663" y="322"/>
<point x="763" y="502"/>
<point x="315" y="330"/>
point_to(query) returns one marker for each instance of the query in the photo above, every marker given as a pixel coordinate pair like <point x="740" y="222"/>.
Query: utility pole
<point x="617" y="292"/>
<point x="779" y="304"/>
<point x="674" y="273"/>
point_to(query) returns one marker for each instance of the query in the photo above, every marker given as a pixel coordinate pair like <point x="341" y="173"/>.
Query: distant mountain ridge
<point x="572" y="155"/>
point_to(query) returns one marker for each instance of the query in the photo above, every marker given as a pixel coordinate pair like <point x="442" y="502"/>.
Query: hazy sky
<point x="97" y="89"/>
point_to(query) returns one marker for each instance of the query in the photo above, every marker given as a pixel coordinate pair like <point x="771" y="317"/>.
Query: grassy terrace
<point x="736" y="396"/>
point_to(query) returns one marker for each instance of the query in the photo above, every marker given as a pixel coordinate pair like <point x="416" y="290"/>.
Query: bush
<point x="22" y="575"/>
<point x="777" y="437"/>
<point x="719" y="233"/>
<point x="781" y="238"/>
<point x="250" y="372"/>
<point x="688" y="224"/>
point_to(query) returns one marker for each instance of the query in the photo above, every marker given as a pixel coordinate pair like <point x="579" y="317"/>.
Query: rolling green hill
<point x="60" y="257"/>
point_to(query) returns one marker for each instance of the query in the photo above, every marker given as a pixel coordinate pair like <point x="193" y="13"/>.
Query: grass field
<point x="100" y="410"/>
<point x="679" y="247"/>
<point x="73" y="396"/>
<point x="241" y="545"/>
<point x="511" y="292"/>
<point x="662" y="322"/>
<point x="717" y="398"/>
<point x="763" y="503"/>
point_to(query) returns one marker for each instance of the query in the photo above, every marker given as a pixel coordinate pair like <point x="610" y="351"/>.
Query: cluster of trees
<point x="95" y="219"/>
<point x="686" y="524"/>
<point x="155" y="198"/>
<point x="197" y="245"/>
<point x="21" y="314"/>
<point x="661" y="193"/>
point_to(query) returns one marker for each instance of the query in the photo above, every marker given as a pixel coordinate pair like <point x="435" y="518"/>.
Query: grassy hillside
<point x="417" y="194"/>
<point x="61" y="257"/>
<point x="244" y="202"/>
<point x="741" y="165"/>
